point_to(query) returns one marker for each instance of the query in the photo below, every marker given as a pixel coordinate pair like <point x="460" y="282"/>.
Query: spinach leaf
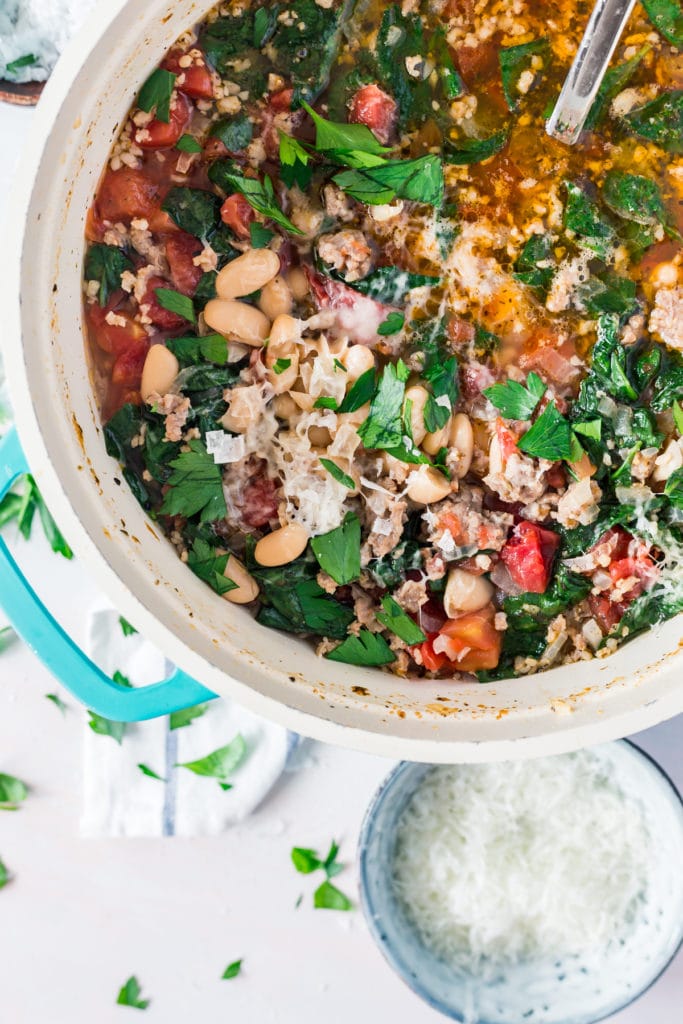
<point x="668" y="385"/>
<point x="535" y="265"/>
<point x="234" y="132"/>
<point x="338" y="552"/>
<point x="526" y="612"/>
<point x="614" y="81"/>
<point x="106" y="263"/>
<point x="608" y="293"/>
<point x="634" y="197"/>
<point x="390" y="285"/>
<point x="193" y="209"/>
<point x="399" y="39"/>
<point x="583" y="217"/>
<point x="365" y="649"/>
<point x="233" y="38"/>
<point x="660" y="121"/>
<point x="472" y="150"/>
<point x="420" y="180"/>
<point x="514" y="60"/>
<point x="667" y="18"/>
<point x="305" y="44"/>
<point x="391" y="570"/>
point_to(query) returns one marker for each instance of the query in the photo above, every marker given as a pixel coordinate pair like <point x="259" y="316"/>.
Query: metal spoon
<point x="588" y="70"/>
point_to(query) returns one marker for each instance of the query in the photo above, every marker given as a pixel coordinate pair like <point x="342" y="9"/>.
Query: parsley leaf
<point x="7" y="636"/>
<point x="188" y="144"/>
<point x="106" y="727"/>
<point x="186" y="716"/>
<point x="365" y="649"/>
<point x="259" y="235"/>
<point x="295" y="162"/>
<point x="339" y="475"/>
<point x="328" y="897"/>
<point x="515" y="401"/>
<point x="221" y="763"/>
<point x="150" y="773"/>
<point x="420" y="180"/>
<point x="678" y="416"/>
<point x="57" y="701"/>
<point x="305" y="860"/>
<point x="4" y="875"/>
<point x="129" y="995"/>
<point x="12" y="792"/>
<point x="196" y="485"/>
<point x="384" y="426"/>
<point x="233" y="969"/>
<point x="21" y="62"/>
<point x="106" y="263"/>
<point x="392" y="325"/>
<point x="126" y="627"/>
<point x="339" y="136"/>
<point x="156" y="93"/>
<point x="280" y="365"/>
<point x="360" y="392"/>
<point x="176" y="302"/>
<point x="338" y="552"/>
<point x="550" y="437"/>
<point x="261" y="196"/>
<point x="399" y="622"/>
<point x="210" y="566"/>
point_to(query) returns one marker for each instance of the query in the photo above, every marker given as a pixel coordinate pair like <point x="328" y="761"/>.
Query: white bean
<point x="237" y="321"/>
<point x="461" y="437"/>
<point x="282" y="348"/>
<point x="439" y="439"/>
<point x="281" y="546"/>
<point x="417" y="396"/>
<point x="465" y="593"/>
<point x="276" y="298"/>
<point x="358" y="359"/>
<point x="160" y="370"/>
<point x="298" y="282"/>
<point x="241" y="413"/>
<point x="247" y="273"/>
<point x="355" y="418"/>
<point x="285" y="407"/>
<point x="426" y="485"/>
<point x="247" y="588"/>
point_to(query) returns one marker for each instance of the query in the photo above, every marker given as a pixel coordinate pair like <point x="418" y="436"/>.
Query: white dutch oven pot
<point x="272" y="673"/>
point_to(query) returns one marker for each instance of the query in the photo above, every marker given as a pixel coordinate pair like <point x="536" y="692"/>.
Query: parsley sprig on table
<point x="326" y="896"/>
<point x="21" y="505"/>
<point x="130" y="995"/>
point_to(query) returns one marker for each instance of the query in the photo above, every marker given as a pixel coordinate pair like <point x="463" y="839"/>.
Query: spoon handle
<point x="587" y="72"/>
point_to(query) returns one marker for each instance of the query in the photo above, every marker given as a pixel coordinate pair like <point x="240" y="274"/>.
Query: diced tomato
<point x="618" y="541"/>
<point x="551" y="355"/>
<point x="471" y="641"/>
<point x="529" y="555"/>
<point x="430" y="659"/>
<point x="607" y="613"/>
<point x="127" y="369"/>
<point x="375" y="109"/>
<point x="281" y="101"/>
<point x="163" y="318"/>
<point x="126" y="194"/>
<point x="194" y="81"/>
<point x="115" y="338"/>
<point x="556" y="476"/>
<point x="238" y="214"/>
<point x="641" y="568"/>
<point x="181" y="249"/>
<point x="160" y="135"/>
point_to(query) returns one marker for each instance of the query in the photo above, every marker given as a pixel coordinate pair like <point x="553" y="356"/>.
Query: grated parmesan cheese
<point x="40" y="28"/>
<point x="499" y="863"/>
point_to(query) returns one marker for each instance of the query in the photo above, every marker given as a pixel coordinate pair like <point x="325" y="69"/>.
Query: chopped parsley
<point x="126" y="627"/>
<point x="4" y="875"/>
<point x="233" y="969"/>
<point x="210" y="566"/>
<point x="550" y="437"/>
<point x="27" y="61"/>
<point x="130" y="995"/>
<point x="221" y="763"/>
<point x="392" y="325"/>
<point x="343" y="137"/>
<point x="176" y="302"/>
<point x="55" y="699"/>
<point x="326" y="896"/>
<point x="261" y="196"/>
<point x="196" y="486"/>
<point x="259" y="235"/>
<point x="338" y="474"/>
<point x="338" y="552"/>
<point x="280" y="365"/>
<point x="186" y="716"/>
<point x="150" y="773"/>
<point x="399" y="622"/>
<point x="13" y="792"/>
<point x="370" y="649"/>
<point x="188" y="144"/>
<point x="420" y="180"/>
<point x="384" y="426"/>
<point x="514" y="400"/>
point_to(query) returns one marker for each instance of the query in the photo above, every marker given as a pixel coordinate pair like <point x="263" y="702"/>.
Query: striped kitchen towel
<point x="123" y="796"/>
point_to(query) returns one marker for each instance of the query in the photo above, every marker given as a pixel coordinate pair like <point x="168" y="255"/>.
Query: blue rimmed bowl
<point x="573" y="990"/>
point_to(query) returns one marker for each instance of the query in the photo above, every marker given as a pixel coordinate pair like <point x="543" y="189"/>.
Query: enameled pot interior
<point x="221" y="644"/>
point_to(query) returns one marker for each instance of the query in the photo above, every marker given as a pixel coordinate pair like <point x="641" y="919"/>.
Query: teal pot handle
<point x="46" y="638"/>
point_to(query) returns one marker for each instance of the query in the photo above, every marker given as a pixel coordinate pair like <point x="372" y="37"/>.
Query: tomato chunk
<point x="430" y="659"/>
<point x="163" y="318"/>
<point x="181" y="249"/>
<point x="118" y="337"/>
<point x="281" y="101"/>
<point x="126" y="194"/>
<point x="194" y="81"/>
<point x="238" y="214"/>
<point x="159" y="135"/>
<point x="375" y="109"/>
<point x="607" y="613"/>
<point x="471" y="641"/>
<point x="127" y="369"/>
<point x="529" y="555"/>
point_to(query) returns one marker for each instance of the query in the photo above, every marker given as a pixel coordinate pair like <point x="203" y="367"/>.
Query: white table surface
<point x="80" y="916"/>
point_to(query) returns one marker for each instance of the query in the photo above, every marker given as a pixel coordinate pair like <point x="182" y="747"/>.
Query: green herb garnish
<point x="338" y="552"/>
<point x="210" y="566"/>
<point x="221" y="763"/>
<point x="392" y="325"/>
<point x="259" y="235"/>
<point x="420" y="180"/>
<point x="196" y="486"/>
<point x="176" y="302"/>
<point x="514" y="400"/>
<point x="550" y="437"/>
<point x="261" y="196"/>
<point x="338" y="474"/>
<point x="12" y="792"/>
<point x="55" y="699"/>
<point x="188" y="144"/>
<point x="150" y="773"/>
<point x="399" y="622"/>
<point x="367" y="648"/>
<point x="21" y="62"/>
<point x="156" y="94"/>
<point x="129" y="995"/>
<point x="280" y="365"/>
<point x="186" y="716"/>
<point x="233" y="969"/>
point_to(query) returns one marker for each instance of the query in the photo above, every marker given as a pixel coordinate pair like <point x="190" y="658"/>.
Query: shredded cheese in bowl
<point x="546" y="889"/>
